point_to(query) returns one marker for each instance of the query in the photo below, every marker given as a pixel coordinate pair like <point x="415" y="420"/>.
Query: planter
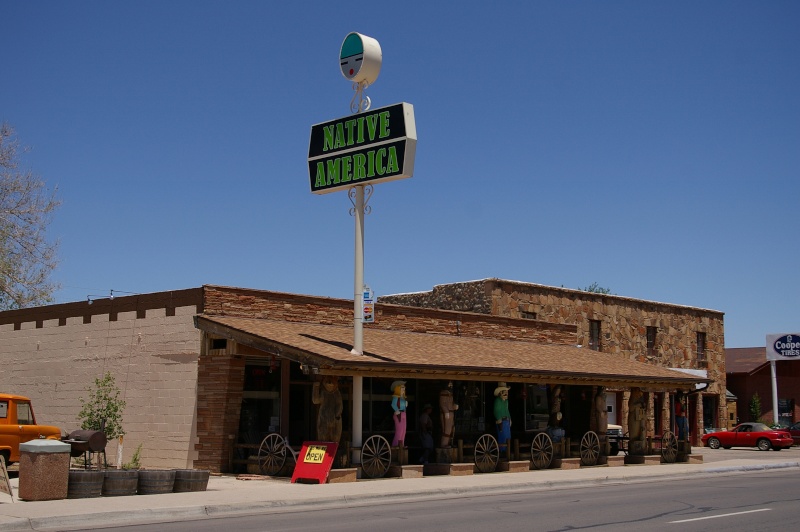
<point x="190" y="480"/>
<point x="120" y="482"/>
<point x="152" y="482"/>
<point x="84" y="484"/>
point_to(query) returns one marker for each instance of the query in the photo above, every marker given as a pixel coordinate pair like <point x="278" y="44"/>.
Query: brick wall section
<point x="745" y="385"/>
<point x="149" y="343"/>
<point x="220" y="381"/>
<point x="624" y="322"/>
<point x="227" y="301"/>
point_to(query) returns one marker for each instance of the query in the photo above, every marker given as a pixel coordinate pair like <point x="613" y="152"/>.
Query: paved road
<point x="228" y="497"/>
<point x="758" y="501"/>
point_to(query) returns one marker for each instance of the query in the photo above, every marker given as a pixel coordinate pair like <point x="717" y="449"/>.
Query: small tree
<point x="596" y="289"/>
<point x="103" y="404"/>
<point x="755" y="407"/>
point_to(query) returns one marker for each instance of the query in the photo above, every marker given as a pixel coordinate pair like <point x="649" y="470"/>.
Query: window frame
<point x="595" y="331"/>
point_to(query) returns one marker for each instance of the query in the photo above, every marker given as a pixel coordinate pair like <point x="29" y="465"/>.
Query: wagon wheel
<point x="669" y="447"/>
<point x="272" y="454"/>
<point x="376" y="456"/>
<point x="487" y="453"/>
<point x="541" y="451"/>
<point x="590" y="449"/>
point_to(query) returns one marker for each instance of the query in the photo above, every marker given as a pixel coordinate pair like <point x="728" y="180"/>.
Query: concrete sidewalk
<point x="228" y="496"/>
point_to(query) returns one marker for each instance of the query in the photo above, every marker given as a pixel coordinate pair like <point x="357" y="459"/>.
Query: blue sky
<point x="651" y="147"/>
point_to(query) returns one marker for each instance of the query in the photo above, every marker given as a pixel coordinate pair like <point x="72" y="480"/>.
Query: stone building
<point x="662" y="334"/>
<point x="207" y="372"/>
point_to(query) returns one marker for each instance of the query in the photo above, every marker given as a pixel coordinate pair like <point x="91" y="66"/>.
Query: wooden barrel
<point x="190" y="480"/>
<point x="152" y="481"/>
<point x="84" y="484"/>
<point x="120" y="482"/>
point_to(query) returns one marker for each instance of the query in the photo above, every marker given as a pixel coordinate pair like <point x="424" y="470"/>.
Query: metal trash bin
<point x="43" y="470"/>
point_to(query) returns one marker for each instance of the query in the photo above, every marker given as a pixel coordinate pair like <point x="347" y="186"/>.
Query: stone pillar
<point x="698" y="428"/>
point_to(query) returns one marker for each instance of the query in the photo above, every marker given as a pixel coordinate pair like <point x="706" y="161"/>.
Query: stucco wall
<point x="152" y="356"/>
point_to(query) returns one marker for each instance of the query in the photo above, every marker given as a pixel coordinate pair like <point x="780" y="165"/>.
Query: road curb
<point x="202" y="511"/>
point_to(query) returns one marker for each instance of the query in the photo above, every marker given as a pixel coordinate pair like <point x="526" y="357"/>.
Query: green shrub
<point x="135" y="462"/>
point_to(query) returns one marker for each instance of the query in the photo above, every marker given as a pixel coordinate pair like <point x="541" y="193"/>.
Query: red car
<point x="794" y="430"/>
<point x="749" y="435"/>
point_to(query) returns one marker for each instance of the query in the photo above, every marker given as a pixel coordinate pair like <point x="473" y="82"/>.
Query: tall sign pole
<point x="352" y="153"/>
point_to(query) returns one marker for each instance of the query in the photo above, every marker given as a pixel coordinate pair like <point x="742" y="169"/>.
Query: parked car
<point x="18" y="425"/>
<point x="794" y="430"/>
<point x="614" y="433"/>
<point x="749" y="435"/>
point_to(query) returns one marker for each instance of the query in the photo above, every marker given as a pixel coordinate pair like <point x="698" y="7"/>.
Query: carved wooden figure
<point x="329" y="418"/>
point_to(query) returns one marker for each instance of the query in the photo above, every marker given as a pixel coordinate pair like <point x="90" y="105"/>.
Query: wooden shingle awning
<point x="404" y="354"/>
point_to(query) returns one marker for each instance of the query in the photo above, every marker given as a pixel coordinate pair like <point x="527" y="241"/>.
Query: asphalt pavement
<point x="228" y="495"/>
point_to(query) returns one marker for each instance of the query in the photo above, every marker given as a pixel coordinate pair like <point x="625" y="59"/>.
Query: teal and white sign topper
<point x="360" y="58"/>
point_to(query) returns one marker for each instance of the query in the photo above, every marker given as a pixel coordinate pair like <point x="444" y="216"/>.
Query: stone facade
<point x="224" y="301"/>
<point x="184" y="398"/>
<point x="623" y="325"/>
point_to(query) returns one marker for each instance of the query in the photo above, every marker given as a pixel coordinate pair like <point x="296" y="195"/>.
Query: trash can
<point x="43" y="470"/>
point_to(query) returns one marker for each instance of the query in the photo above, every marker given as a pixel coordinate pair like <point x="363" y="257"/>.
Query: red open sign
<point x="314" y="461"/>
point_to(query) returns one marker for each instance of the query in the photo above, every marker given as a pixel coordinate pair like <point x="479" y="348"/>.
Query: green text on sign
<point x="370" y="147"/>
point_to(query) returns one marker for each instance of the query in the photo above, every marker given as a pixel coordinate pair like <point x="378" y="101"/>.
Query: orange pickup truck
<point x="18" y="425"/>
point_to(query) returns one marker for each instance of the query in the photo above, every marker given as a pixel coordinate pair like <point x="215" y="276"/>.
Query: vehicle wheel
<point x="714" y="443"/>
<point x="487" y="453"/>
<point x="669" y="447"/>
<point x="763" y="445"/>
<point x="590" y="448"/>
<point x="272" y="454"/>
<point x="376" y="456"/>
<point x="541" y="451"/>
<point x="6" y="456"/>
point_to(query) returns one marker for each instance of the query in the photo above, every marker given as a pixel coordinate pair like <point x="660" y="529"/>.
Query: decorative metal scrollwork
<point x="360" y="101"/>
<point x="368" y="190"/>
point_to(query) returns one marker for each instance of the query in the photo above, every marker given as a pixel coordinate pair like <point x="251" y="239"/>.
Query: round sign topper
<point x="360" y="58"/>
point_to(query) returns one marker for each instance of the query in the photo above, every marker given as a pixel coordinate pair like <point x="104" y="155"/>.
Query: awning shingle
<point x="421" y="355"/>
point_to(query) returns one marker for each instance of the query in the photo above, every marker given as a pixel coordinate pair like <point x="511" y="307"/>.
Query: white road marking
<point x="721" y="515"/>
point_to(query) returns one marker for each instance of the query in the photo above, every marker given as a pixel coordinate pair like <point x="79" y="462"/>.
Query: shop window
<point x="218" y="343"/>
<point x="377" y="406"/>
<point x="710" y="403"/>
<point x="785" y="410"/>
<point x="261" y="405"/>
<point x="651" y="341"/>
<point x="594" y="335"/>
<point x="536" y="407"/>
